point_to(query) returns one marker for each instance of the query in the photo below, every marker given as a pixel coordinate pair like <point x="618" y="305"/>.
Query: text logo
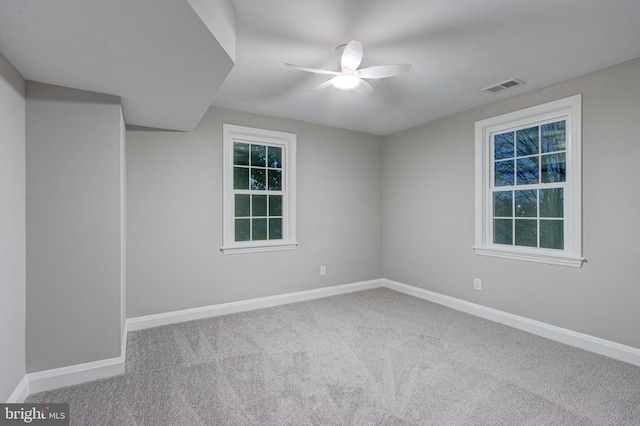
<point x="34" y="414"/>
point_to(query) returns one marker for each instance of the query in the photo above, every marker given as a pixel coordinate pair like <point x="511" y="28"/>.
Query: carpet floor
<point x="375" y="357"/>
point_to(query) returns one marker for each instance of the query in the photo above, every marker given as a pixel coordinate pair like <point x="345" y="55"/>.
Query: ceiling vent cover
<point x="504" y="85"/>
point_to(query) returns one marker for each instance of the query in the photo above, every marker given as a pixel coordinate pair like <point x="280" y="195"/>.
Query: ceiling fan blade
<point x="363" y="88"/>
<point x="383" y="71"/>
<point x="352" y="56"/>
<point x="314" y="70"/>
<point x="323" y="85"/>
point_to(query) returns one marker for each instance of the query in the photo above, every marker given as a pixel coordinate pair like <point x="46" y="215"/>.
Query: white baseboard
<point x="75" y="374"/>
<point x="66" y="376"/>
<point x="155" y="320"/>
<point x="562" y="335"/>
<point x="20" y="393"/>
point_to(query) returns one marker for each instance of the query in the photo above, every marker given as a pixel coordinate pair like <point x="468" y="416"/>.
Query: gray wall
<point x="399" y="207"/>
<point x="73" y="153"/>
<point x="428" y="176"/>
<point x="174" y="216"/>
<point x="12" y="229"/>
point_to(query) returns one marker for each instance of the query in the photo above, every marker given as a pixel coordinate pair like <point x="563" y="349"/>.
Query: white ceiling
<point x="161" y="58"/>
<point x="457" y="48"/>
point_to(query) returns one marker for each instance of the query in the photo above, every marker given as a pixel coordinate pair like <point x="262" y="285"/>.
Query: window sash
<point x="509" y="145"/>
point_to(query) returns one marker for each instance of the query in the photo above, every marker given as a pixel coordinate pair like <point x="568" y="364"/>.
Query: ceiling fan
<point x="350" y="77"/>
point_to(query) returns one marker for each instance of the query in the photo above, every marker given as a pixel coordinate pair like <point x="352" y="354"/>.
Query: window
<point x="528" y="184"/>
<point x="259" y="190"/>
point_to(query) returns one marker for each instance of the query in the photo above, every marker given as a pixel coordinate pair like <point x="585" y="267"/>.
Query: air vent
<point x="504" y="85"/>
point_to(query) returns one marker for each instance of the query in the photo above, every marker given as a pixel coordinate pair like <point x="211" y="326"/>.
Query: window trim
<point x="568" y="109"/>
<point x="287" y="141"/>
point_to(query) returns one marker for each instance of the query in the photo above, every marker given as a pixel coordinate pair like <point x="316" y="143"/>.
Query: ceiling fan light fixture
<point x="345" y="81"/>
<point x="350" y="76"/>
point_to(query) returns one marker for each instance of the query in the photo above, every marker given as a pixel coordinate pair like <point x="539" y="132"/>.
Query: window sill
<point x="539" y="257"/>
<point x="256" y="248"/>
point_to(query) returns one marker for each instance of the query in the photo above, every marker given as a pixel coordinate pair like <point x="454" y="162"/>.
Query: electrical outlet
<point x="477" y="284"/>
<point x="323" y="271"/>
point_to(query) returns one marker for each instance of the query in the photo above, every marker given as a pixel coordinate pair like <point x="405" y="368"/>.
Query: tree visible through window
<point x="257" y="187"/>
<point x="529" y="170"/>
<point x="259" y="190"/>
<point x="528" y="174"/>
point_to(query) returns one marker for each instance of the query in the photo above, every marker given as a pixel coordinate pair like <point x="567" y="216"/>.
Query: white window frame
<point x="286" y="141"/>
<point x="568" y="109"/>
